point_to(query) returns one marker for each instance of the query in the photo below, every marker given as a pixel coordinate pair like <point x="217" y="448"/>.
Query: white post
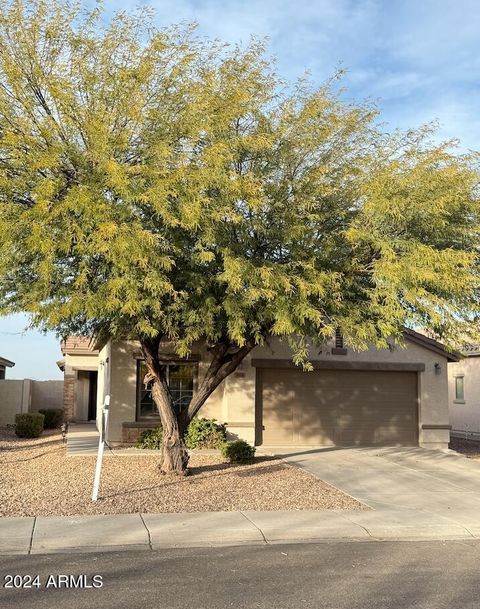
<point x="101" y="447"/>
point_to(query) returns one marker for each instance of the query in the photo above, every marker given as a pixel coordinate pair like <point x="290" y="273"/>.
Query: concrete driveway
<point x="398" y="478"/>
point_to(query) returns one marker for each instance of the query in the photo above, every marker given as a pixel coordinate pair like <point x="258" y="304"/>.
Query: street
<point x="340" y="575"/>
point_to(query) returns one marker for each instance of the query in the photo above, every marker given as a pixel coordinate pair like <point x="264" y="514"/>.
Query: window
<point x="459" y="389"/>
<point x="338" y="339"/>
<point x="180" y="379"/>
<point x="2" y="373"/>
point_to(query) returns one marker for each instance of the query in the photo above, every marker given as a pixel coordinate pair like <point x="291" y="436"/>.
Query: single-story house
<point x="464" y="393"/>
<point x="4" y="364"/>
<point x="394" y="396"/>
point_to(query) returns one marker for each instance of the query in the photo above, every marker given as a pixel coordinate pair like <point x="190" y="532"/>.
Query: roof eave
<point x="432" y="345"/>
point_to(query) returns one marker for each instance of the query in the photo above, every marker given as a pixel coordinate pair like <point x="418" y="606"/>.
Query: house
<point x="4" y="364"/>
<point x="464" y="393"/>
<point x="395" y="396"/>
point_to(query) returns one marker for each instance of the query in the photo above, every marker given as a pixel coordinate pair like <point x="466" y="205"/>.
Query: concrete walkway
<point x="82" y="440"/>
<point x="44" y="535"/>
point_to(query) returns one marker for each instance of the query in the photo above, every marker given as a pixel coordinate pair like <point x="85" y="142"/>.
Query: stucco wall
<point x="81" y="362"/>
<point x="465" y="418"/>
<point x="103" y="381"/>
<point x="46" y="394"/>
<point x="234" y="401"/>
<point x="17" y="396"/>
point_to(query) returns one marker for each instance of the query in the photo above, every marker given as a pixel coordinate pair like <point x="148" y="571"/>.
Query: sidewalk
<point x="43" y="535"/>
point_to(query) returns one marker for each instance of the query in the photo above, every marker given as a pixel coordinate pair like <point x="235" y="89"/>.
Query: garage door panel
<point x="339" y="407"/>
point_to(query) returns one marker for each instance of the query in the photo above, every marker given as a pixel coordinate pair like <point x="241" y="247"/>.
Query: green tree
<point x="158" y="186"/>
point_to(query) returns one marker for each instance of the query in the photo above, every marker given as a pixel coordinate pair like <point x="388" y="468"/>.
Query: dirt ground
<point x="38" y="479"/>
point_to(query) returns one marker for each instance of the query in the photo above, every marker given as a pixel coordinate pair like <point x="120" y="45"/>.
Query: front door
<point x="92" y="396"/>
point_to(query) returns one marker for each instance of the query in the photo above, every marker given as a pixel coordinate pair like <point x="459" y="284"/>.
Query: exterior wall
<point x="15" y="398"/>
<point x="233" y="402"/>
<point x="103" y="381"/>
<point x="433" y="387"/>
<point x="465" y="417"/>
<point x="81" y="362"/>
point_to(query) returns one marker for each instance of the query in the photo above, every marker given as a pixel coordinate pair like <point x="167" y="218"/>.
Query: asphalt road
<point x="368" y="575"/>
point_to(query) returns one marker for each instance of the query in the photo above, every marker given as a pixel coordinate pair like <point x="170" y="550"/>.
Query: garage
<point x="342" y="407"/>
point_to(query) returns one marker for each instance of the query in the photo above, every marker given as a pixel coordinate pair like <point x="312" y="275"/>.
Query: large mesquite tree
<point x="162" y="187"/>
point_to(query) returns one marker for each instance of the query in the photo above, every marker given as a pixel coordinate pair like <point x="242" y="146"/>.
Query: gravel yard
<point x="37" y="479"/>
<point x="469" y="448"/>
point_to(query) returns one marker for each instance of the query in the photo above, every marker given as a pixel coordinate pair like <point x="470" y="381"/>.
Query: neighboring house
<point x="4" y="364"/>
<point x="396" y="396"/>
<point x="464" y="393"/>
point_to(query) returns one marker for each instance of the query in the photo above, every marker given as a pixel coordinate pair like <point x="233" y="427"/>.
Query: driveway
<point x="398" y="478"/>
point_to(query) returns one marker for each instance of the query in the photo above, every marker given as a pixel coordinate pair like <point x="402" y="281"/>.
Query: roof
<point x="470" y="350"/>
<point x="431" y="344"/>
<point x="78" y="345"/>
<point x="6" y="362"/>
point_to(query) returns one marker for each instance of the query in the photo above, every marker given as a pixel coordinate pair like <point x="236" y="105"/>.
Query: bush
<point x="205" y="433"/>
<point x="150" y="438"/>
<point x="29" y="424"/>
<point x="238" y="451"/>
<point x="53" y="417"/>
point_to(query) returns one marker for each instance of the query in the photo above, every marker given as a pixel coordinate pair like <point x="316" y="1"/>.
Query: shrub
<point x="205" y="433"/>
<point x="29" y="424"/>
<point x="150" y="438"/>
<point x="238" y="451"/>
<point x="53" y="417"/>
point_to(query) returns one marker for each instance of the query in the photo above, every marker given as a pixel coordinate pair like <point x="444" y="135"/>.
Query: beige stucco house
<point x="464" y="393"/>
<point x="395" y="396"/>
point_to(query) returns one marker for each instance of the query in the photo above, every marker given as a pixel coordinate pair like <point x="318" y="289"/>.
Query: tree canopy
<point x="158" y="185"/>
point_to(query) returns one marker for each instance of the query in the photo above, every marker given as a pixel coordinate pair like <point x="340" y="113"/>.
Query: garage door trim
<point x="339" y="365"/>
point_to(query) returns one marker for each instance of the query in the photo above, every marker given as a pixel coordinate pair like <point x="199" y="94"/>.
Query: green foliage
<point x="205" y="433"/>
<point x="201" y="433"/>
<point x="53" y="417"/>
<point x="239" y="451"/>
<point x="150" y="438"/>
<point x="156" y="183"/>
<point x="29" y="424"/>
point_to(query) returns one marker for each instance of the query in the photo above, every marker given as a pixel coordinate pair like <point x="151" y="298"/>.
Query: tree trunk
<point x="226" y="358"/>
<point x="174" y="454"/>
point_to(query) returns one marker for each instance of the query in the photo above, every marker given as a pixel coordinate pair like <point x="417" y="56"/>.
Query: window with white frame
<point x="460" y="388"/>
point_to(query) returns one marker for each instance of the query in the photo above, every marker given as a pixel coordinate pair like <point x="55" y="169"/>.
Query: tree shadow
<point x="195" y="476"/>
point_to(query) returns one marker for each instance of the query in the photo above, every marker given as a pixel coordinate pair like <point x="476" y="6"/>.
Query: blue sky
<point x="418" y="59"/>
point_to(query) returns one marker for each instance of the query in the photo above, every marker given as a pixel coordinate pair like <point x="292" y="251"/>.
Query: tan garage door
<point x="338" y="407"/>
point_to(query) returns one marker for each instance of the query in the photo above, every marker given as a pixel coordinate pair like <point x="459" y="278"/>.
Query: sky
<point x="418" y="60"/>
